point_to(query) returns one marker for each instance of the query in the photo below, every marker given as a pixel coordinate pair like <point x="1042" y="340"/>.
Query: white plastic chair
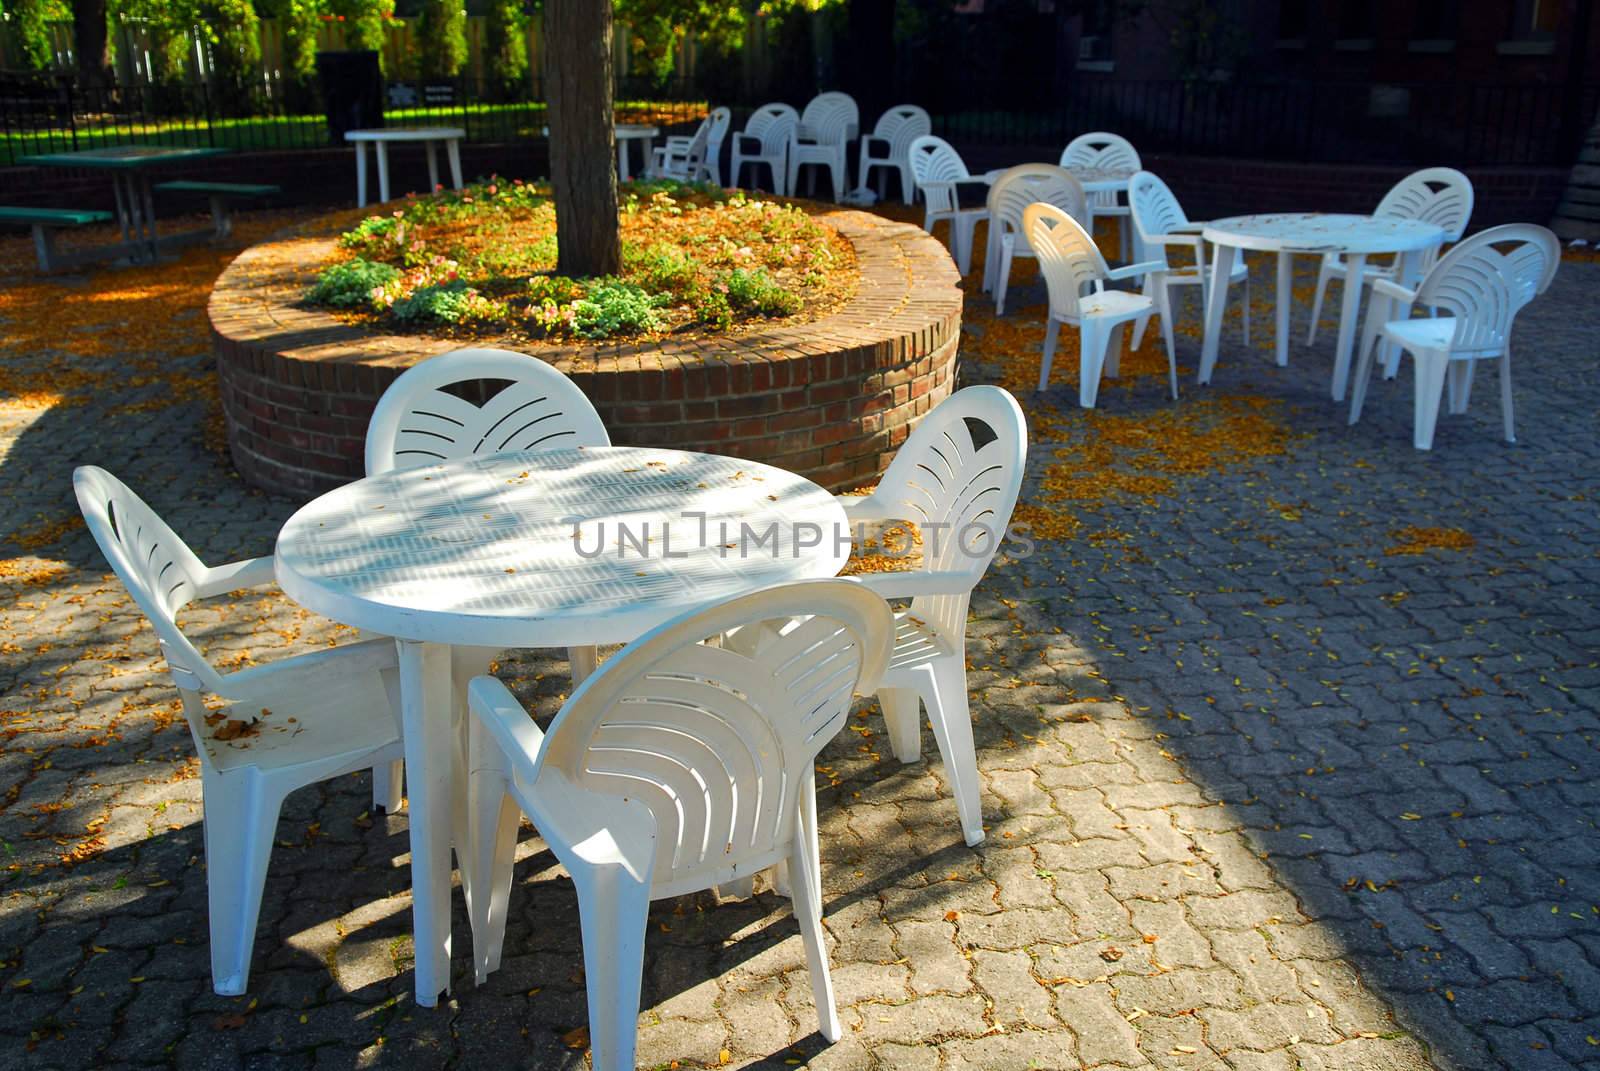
<point x="1159" y="221"/>
<point x="313" y="717"/>
<point x="679" y="766"/>
<point x="418" y="421"/>
<point x="942" y="178"/>
<point x="1071" y="264"/>
<point x="957" y="478"/>
<point x="694" y="158"/>
<point x="1107" y="152"/>
<point x="827" y="127"/>
<point x="1010" y="195"/>
<point x="1480" y="286"/>
<point x="1440" y="195"/>
<point x="765" y="140"/>
<point x="889" y="146"/>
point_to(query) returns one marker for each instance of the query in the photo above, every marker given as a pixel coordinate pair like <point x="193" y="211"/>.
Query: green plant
<point x="613" y="307"/>
<point x="759" y="292"/>
<point x="658" y="267"/>
<point x="350" y="284"/>
<point x="448" y="303"/>
<point x="32" y="19"/>
<point x="442" y="44"/>
<point x="505" y="49"/>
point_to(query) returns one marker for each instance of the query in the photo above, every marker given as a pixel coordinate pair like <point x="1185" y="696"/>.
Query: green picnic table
<point x="130" y="167"/>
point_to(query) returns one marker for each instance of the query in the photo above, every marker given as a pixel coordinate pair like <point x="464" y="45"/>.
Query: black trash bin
<point x="352" y="90"/>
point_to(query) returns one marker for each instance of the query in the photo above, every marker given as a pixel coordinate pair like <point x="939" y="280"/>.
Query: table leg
<point x="1216" y="305"/>
<point x="1284" y="296"/>
<point x="361" y="174"/>
<point x="425" y="716"/>
<point x="433" y="165"/>
<point x="383" y="170"/>
<point x="123" y="219"/>
<point x="452" y="150"/>
<point x="1355" y="268"/>
<point x="149" y="212"/>
<point x="622" y="159"/>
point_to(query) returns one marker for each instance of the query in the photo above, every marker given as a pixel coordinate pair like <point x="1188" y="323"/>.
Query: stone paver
<point x="1260" y="795"/>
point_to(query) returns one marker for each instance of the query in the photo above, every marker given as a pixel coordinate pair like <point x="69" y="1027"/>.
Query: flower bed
<point x="829" y="393"/>
<point x="481" y="261"/>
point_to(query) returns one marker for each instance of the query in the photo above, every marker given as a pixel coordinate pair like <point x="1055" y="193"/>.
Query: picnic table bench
<point x="220" y="194"/>
<point x="45" y="222"/>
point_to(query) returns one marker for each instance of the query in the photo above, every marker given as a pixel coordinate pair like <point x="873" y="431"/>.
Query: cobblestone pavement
<point x="1264" y="788"/>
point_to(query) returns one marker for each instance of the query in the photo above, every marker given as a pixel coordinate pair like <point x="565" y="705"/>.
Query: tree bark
<point x="583" y="166"/>
<point x="90" y="41"/>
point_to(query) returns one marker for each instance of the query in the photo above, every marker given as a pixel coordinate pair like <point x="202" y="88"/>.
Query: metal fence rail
<point x="1529" y="125"/>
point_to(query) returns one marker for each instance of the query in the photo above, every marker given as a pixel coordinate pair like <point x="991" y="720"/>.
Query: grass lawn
<point x="483" y="122"/>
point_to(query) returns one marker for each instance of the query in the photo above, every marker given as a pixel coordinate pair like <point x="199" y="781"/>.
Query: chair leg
<point x="804" y="865"/>
<point x="1363" y="374"/>
<point x="952" y="728"/>
<point x="1148" y="289"/>
<point x="493" y="827"/>
<point x="1431" y="366"/>
<point x="582" y="662"/>
<point x="1092" y="342"/>
<point x="1316" y="302"/>
<point x="902" y="714"/>
<point x="1507" y="412"/>
<point x="1002" y="281"/>
<point x="613" y="909"/>
<point x="1460" y="382"/>
<point x="388" y="784"/>
<point x="1164" y="295"/>
<point x="241" y="818"/>
<point x="812" y="833"/>
<point x="793" y="173"/>
<point x="908" y="191"/>
<point x="1113" y="362"/>
<point x="1244" y="310"/>
<point x="1051" y="331"/>
<point x="964" y="231"/>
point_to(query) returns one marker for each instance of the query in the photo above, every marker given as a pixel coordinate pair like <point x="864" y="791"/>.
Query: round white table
<point x="556" y="548"/>
<point x="380" y="140"/>
<point x="1289" y="233"/>
<point x="626" y="132"/>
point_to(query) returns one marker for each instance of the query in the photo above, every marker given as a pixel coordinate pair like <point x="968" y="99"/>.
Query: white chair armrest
<point x="519" y="738"/>
<point x="866" y="508"/>
<point x="1192" y="227"/>
<point x="914" y="582"/>
<point x="334" y="666"/>
<point x="1393" y="290"/>
<point x="1144" y="267"/>
<point x="221" y="579"/>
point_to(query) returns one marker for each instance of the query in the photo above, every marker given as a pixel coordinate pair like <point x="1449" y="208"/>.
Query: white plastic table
<point x="380" y="140"/>
<point x="504" y="551"/>
<point x="1288" y="233"/>
<point x="626" y="132"/>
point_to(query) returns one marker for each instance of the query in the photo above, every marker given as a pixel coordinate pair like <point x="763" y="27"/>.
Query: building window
<point x="1294" y="16"/>
<point x="1096" y="41"/>
<point x="1435" y="20"/>
<point x="1534" y="20"/>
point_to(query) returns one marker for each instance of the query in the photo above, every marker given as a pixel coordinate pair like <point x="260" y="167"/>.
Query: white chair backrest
<point x="900" y="126"/>
<point x="936" y="160"/>
<point x="716" y="743"/>
<point x="1026" y="184"/>
<point x="1068" y="258"/>
<point x="1156" y="211"/>
<point x="159" y="571"/>
<point x="957" y="477"/>
<point x="830" y="119"/>
<point x="1486" y="280"/>
<point x="1111" y="152"/>
<point x="419" y="422"/>
<point x="1440" y="195"/>
<point x="773" y="124"/>
<point x="717" y="124"/>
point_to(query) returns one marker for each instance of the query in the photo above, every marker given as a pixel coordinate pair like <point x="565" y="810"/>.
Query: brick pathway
<point x="1259" y="794"/>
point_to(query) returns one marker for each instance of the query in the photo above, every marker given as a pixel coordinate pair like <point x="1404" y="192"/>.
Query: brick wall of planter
<point x="831" y="399"/>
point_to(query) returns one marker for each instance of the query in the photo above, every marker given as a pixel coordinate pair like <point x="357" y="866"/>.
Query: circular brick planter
<point x="830" y="399"/>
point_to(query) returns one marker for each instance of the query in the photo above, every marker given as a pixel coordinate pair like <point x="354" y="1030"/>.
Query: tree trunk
<point x="583" y="166"/>
<point x="90" y="41"/>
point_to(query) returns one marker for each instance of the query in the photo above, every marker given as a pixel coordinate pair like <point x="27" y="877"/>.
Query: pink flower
<point x="493" y="190"/>
<point x="438" y="187"/>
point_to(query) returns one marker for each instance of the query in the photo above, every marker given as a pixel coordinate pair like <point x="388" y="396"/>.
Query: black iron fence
<point x="1308" y="122"/>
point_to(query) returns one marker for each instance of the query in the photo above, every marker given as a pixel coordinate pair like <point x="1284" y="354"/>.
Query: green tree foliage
<point x="505" y="50"/>
<point x="364" y="22"/>
<point x="233" y="37"/>
<point x="442" y="38"/>
<point x="298" y="20"/>
<point x="31" y="18"/>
